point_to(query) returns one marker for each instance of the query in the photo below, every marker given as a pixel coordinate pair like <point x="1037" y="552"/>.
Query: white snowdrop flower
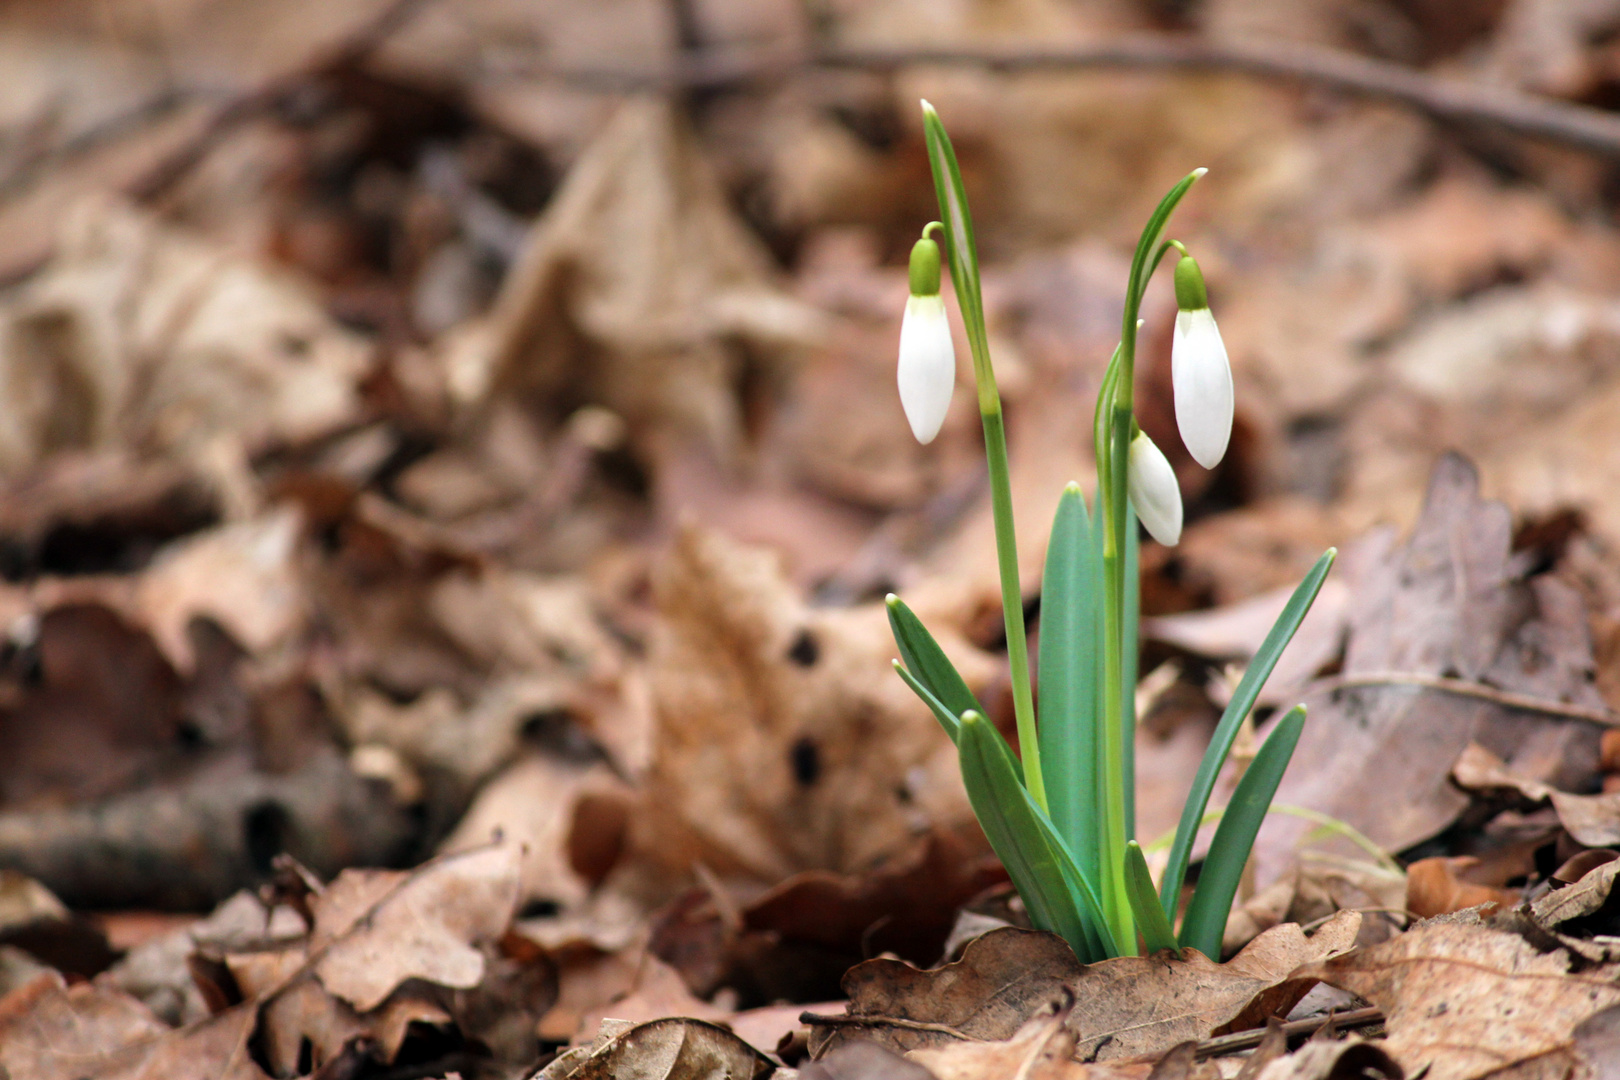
<point x="1200" y="371"/>
<point x="927" y="373"/>
<point x="1153" y="490"/>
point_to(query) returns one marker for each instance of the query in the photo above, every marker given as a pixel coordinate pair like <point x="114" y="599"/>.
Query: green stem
<point x="1012" y="601"/>
<point x="1116" y="897"/>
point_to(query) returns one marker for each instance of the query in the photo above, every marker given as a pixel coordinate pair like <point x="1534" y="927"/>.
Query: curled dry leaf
<point x="640" y="254"/>
<point x="1125" y="1007"/>
<point x="375" y="929"/>
<point x="1351" y="1059"/>
<point x="1437" y="887"/>
<point x="1594" y="820"/>
<point x="138" y="334"/>
<point x="671" y="1049"/>
<point x="1043" y="1049"/>
<point x="1462" y="999"/>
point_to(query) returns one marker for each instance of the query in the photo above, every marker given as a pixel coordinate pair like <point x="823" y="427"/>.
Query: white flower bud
<point x="1203" y="384"/>
<point x="1200" y="371"/>
<point x="1153" y="490"/>
<point x="927" y="358"/>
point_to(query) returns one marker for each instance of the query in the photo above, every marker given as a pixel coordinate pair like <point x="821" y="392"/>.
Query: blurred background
<point x="426" y="417"/>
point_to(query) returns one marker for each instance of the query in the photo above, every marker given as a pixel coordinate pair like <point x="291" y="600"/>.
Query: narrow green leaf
<point x="1081" y="888"/>
<point x="1220" y="744"/>
<point x="961" y="249"/>
<point x="946" y="718"/>
<point x="1070" y="595"/>
<point x="927" y="661"/>
<point x="1150" y="917"/>
<point x="1130" y="636"/>
<point x="1143" y="262"/>
<point x="1205" y="921"/>
<point x="1009" y="822"/>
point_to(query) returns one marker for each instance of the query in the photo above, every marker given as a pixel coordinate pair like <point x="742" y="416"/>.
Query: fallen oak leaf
<point x="51" y="1031"/>
<point x="376" y="929"/>
<point x="1146" y="1004"/>
<point x="864" y="1061"/>
<point x="670" y="1049"/>
<point x="1130" y="1005"/>
<point x="1043" y="1049"/>
<point x="1462" y="999"/>
<point x="1594" y="820"/>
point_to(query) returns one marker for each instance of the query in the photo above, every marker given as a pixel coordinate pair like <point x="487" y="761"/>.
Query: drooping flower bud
<point x="1200" y="371"/>
<point x="927" y="372"/>
<point x="1153" y="490"/>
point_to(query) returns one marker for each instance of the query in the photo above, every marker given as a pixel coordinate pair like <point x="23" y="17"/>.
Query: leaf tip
<point x="1200" y="171"/>
<point x="891" y="600"/>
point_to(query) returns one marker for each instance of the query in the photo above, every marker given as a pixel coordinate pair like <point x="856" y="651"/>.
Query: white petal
<point x="1203" y="382"/>
<point x="927" y="372"/>
<point x="1152" y="486"/>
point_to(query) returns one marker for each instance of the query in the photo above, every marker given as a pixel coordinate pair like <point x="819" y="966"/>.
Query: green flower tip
<point x="1190" y="292"/>
<point x="892" y="600"/>
<point x="925" y="266"/>
<point x="1072" y="488"/>
<point x="927" y="108"/>
<point x="1200" y="171"/>
<point x="972" y="716"/>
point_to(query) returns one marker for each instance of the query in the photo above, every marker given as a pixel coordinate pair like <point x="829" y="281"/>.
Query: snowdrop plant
<point x="1060" y="812"/>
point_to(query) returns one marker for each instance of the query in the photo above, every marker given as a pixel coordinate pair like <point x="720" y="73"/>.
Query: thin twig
<point x="1464" y="688"/>
<point x="884" y="1021"/>
<point x="1443" y="98"/>
<point x="1239" y="1041"/>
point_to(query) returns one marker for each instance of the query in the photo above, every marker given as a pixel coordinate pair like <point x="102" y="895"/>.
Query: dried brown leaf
<point x="1593" y="820"/>
<point x="1462" y="1000"/>
<point x="51" y="1031"/>
<point x="376" y="929"/>
<point x="1125" y="1007"/>
<point x="672" y="1049"/>
<point x="1585" y="897"/>
<point x="864" y="1061"/>
<point x="1451" y="601"/>
<point x="1043" y="1049"/>
<point x="765" y="761"/>
<point x="171" y="342"/>
<point x="1146" y="1004"/>
<point x="1434" y="887"/>
<point x="1353" y="1059"/>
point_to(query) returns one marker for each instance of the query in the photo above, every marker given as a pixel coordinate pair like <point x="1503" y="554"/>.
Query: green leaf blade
<point x="1220" y="743"/>
<point x="1150" y="918"/>
<point x="946" y="718"/>
<point x="1205" y="922"/>
<point x="1008" y="818"/>
<point x="927" y="661"/>
<point x="1071" y="587"/>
